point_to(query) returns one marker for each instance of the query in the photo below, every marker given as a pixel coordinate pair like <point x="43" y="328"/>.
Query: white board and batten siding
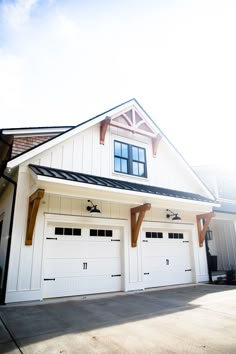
<point x="64" y="259"/>
<point x="223" y="244"/>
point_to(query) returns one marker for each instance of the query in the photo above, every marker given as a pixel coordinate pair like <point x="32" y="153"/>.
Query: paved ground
<point x="197" y="319"/>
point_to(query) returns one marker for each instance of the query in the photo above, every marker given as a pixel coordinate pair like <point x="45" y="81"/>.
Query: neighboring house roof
<point x="24" y="139"/>
<point x="113" y="183"/>
<point x="226" y="207"/>
<point x="22" y="144"/>
<point x="221" y="181"/>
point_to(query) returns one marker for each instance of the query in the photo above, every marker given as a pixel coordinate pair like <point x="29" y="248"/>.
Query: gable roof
<point x="97" y="119"/>
<point x="67" y="134"/>
<point x="114" y="183"/>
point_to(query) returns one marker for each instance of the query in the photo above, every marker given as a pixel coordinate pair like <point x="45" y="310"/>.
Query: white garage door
<point x="81" y="260"/>
<point x="166" y="258"/>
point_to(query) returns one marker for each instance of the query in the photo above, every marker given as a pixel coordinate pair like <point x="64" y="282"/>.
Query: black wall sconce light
<point x="172" y="215"/>
<point x="92" y="208"/>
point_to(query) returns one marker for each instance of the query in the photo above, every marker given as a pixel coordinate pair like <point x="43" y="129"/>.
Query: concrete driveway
<point x="196" y="319"/>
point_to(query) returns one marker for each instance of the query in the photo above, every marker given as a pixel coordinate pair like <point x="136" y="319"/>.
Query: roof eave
<point x="54" y="183"/>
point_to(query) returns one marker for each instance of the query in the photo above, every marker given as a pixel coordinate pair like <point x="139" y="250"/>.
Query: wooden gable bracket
<point x="103" y="129"/>
<point x="203" y="222"/>
<point x="137" y="222"/>
<point x="34" y="202"/>
<point x="155" y="143"/>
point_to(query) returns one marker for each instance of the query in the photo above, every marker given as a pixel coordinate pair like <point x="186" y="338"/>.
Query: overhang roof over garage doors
<point x="136" y="188"/>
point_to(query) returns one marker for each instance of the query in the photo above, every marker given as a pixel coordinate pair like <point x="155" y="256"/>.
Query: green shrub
<point x="230" y="274"/>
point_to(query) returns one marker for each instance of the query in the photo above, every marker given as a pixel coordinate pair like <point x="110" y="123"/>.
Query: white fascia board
<point x="34" y="131"/>
<point x="145" y="196"/>
<point x="57" y="140"/>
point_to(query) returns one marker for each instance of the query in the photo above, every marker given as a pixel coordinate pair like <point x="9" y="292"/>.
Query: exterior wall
<point x="224" y="243"/>
<point x="25" y="268"/>
<point x="84" y="153"/>
<point x="5" y="215"/>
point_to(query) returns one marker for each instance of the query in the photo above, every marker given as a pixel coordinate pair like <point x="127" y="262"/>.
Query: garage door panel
<point x="151" y="249"/>
<point x="81" y="267"/>
<point x="81" y="248"/>
<point x="167" y="278"/>
<point x="71" y="286"/>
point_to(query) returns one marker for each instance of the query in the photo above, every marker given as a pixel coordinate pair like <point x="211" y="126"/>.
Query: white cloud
<point x="18" y="12"/>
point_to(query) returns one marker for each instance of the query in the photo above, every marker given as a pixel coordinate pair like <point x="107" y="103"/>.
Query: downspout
<point x="4" y="284"/>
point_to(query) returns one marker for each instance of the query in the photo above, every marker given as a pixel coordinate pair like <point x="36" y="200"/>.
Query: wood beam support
<point x="203" y="222"/>
<point x="34" y="202"/>
<point x="155" y="143"/>
<point x="103" y="129"/>
<point x="137" y="222"/>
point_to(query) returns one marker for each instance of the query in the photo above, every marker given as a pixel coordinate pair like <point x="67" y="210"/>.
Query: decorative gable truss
<point x="132" y="121"/>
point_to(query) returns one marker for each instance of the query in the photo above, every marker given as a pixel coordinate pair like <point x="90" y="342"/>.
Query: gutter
<point x="5" y="274"/>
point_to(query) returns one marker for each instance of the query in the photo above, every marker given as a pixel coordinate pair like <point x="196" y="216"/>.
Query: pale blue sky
<point x="62" y="62"/>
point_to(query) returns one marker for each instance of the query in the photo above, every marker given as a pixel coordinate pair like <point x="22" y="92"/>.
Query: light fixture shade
<point x="93" y="208"/>
<point x="174" y="216"/>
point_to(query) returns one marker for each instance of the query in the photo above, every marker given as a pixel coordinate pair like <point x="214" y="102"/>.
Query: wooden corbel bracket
<point x="155" y="143"/>
<point x="34" y="202"/>
<point x="103" y="129"/>
<point x="137" y="222"/>
<point x="203" y="222"/>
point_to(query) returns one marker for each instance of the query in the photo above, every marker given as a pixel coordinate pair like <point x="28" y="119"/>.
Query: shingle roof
<point x="23" y="144"/>
<point x="114" y="183"/>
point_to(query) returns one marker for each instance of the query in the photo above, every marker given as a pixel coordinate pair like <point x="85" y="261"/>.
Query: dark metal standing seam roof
<point x="114" y="183"/>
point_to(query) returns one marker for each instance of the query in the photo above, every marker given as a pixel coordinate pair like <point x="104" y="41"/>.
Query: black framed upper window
<point x="130" y="159"/>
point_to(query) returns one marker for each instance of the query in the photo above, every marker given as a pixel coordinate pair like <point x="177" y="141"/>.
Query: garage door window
<point x="100" y="233"/>
<point x="154" y="234"/>
<point x="67" y="231"/>
<point x="176" y="235"/>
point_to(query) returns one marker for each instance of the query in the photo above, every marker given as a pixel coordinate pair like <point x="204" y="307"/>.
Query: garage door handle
<point x="51" y="238"/>
<point x="49" y="279"/>
<point x="116" y="275"/>
<point x="146" y="273"/>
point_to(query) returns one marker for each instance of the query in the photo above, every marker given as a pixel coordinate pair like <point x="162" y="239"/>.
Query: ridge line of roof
<point x="72" y="128"/>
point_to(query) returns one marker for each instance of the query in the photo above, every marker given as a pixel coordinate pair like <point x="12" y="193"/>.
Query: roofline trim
<point x="55" y="180"/>
<point x="67" y="134"/>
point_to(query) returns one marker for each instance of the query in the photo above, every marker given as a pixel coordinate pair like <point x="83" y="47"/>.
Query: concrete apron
<point x="195" y="319"/>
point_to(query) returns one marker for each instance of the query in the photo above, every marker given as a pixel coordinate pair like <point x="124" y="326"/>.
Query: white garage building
<point x="149" y="232"/>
